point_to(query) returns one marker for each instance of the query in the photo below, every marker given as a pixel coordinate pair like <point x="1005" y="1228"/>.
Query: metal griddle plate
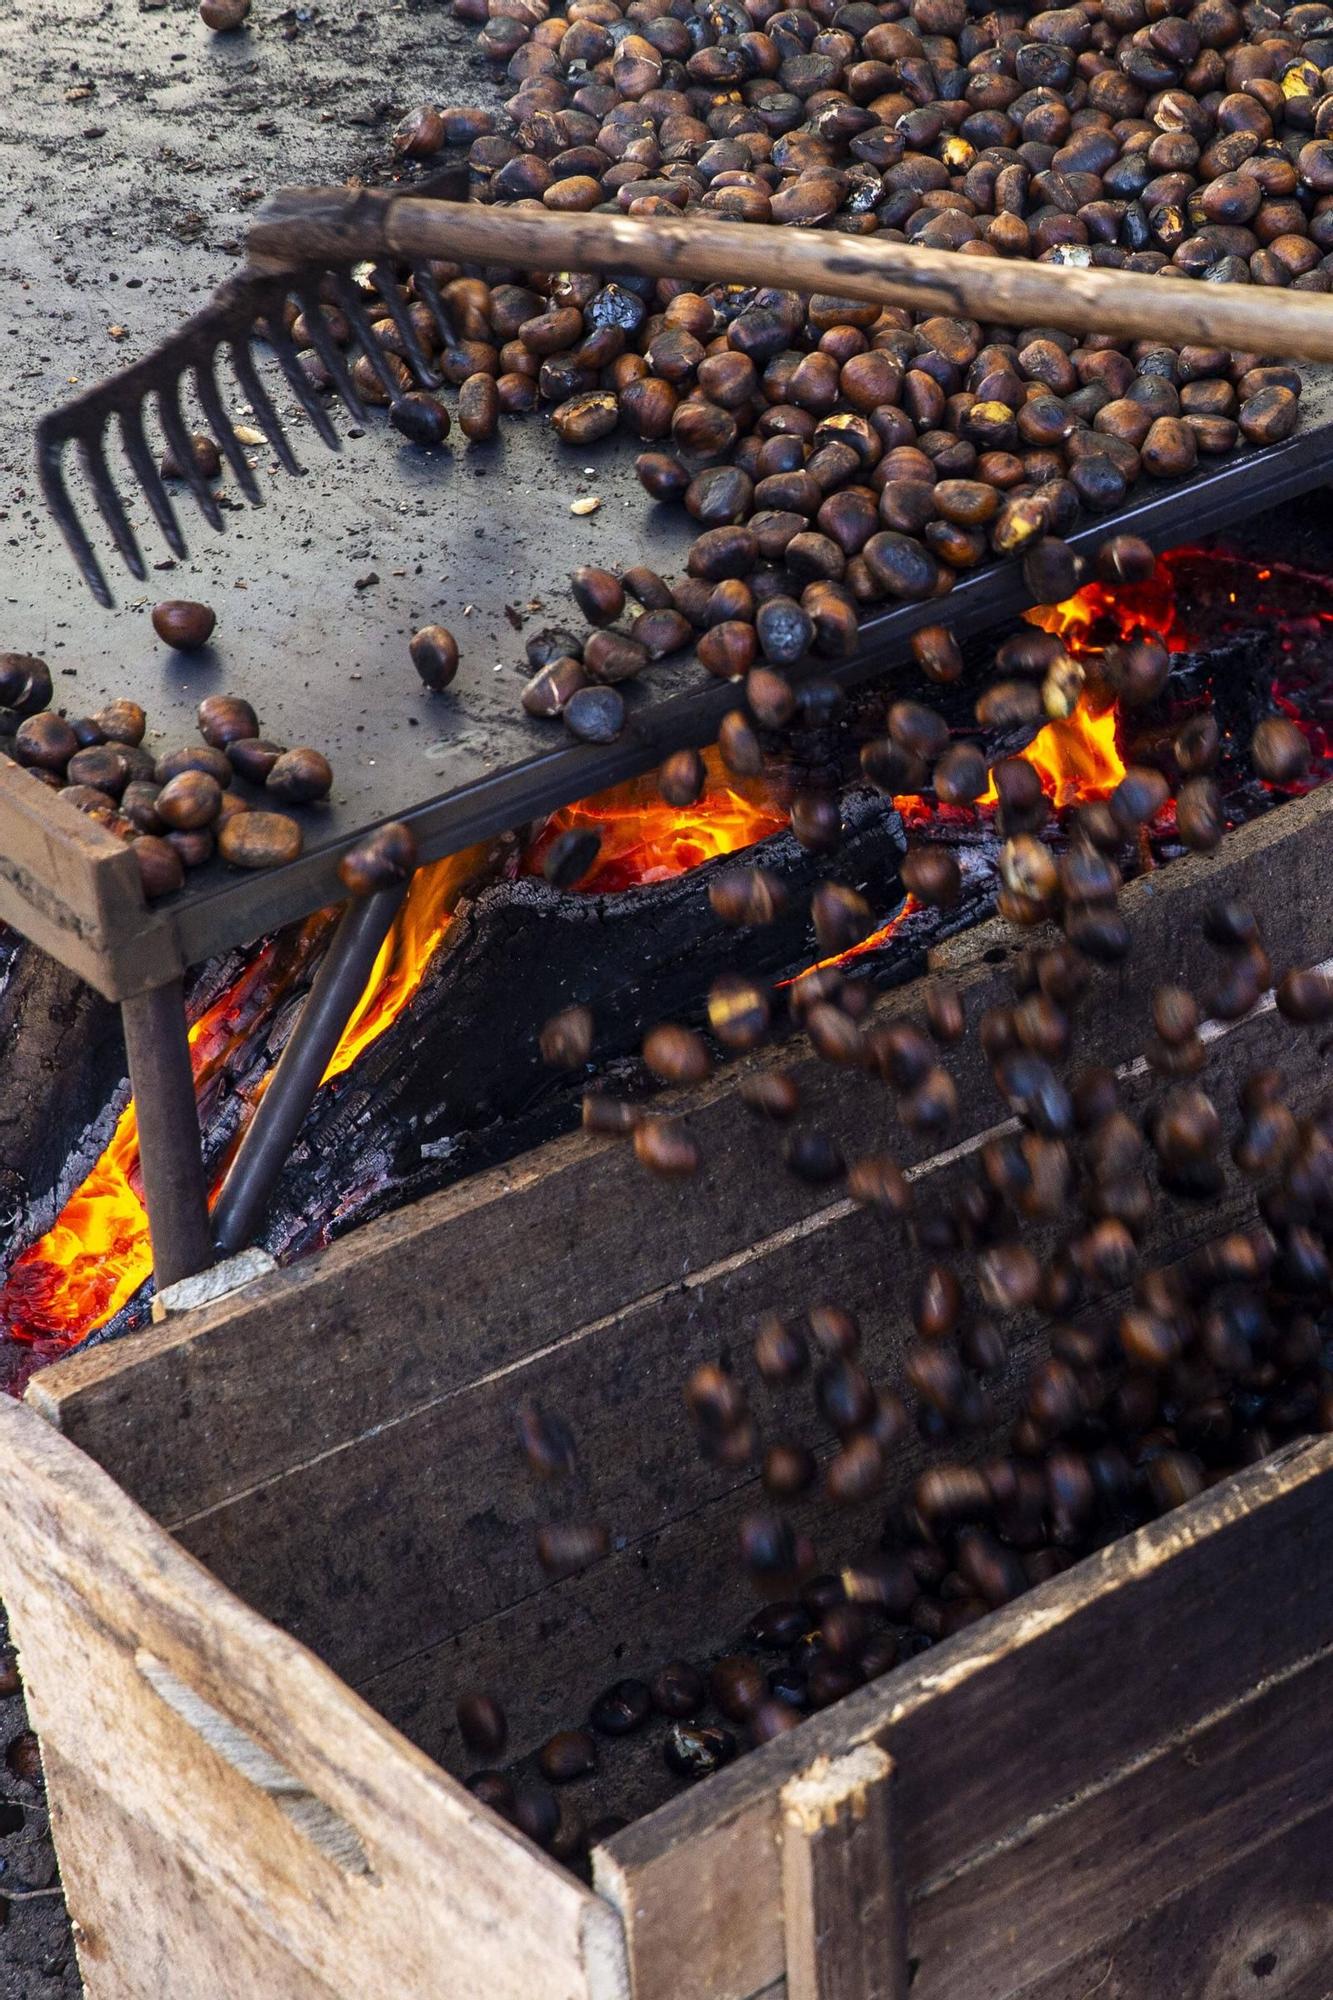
<point x="326" y="662"/>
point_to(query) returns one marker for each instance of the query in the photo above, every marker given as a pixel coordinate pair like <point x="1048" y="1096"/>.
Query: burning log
<point x="436" y="1098"/>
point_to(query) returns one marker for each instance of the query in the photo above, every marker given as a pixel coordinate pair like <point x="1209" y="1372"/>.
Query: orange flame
<point x="400" y="966"/>
<point x="1076" y="759"/>
<point x="645" y="840"/>
<point x="96" y="1255"/>
<point x="1120" y="610"/>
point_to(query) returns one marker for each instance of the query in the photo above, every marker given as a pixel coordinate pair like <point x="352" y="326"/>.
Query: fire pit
<point x="410" y="1103"/>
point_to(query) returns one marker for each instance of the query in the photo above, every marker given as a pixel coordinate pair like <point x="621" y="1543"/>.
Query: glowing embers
<point x="97" y="1254"/>
<point x="886" y="932"/>
<point x="1194" y="598"/>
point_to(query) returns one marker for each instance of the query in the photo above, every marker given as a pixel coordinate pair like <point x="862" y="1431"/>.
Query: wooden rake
<point x="311" y="244"/>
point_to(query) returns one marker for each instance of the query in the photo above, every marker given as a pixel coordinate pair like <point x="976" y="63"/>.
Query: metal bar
<point x="338" y="986"/>
<point x="170" y="1158"/>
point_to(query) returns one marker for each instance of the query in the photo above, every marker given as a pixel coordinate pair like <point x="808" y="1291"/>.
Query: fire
<point x="645" y="840"/>
<point x="400" y="967"/>
<point x="1119" y="610"/>
<point x="97" y="1255"/>
<point x="1076" y="758"/>
<point x="1193" y="595"/>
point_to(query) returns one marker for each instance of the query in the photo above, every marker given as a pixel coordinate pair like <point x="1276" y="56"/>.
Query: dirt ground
<point x="36" y="1953"/>
<point x="135" y="146"/>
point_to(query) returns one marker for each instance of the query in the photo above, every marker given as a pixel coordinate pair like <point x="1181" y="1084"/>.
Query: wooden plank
<point x="109" y="1616"/>
<point x="1076" y="1874"/>
<point x="607" y="1621"/>
<point x="158" y="1926"/>
<point x="74" y="890"/>
<point x="415" y="1550"/>
<point x="843" y="1909"/>
<point x="377" y="1548"/>
<point x="409" y="1308"/>
<point x="415" y="1305"/>
<point x="1147" y="1612"/>
<point x="1260" y="1928"/>
<point x="678" y="1590"/>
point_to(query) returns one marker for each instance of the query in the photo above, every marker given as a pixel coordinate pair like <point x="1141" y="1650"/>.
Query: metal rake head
<point x="315" y="248"/>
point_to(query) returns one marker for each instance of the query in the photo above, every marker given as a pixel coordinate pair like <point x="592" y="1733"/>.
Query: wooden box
<point x="280" y="1533"/>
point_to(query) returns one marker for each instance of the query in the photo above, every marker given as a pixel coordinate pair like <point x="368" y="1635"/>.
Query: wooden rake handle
<point x="303" y="224"/>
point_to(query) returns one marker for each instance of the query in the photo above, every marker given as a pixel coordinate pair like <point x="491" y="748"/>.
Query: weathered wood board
<point x="1117" y="1779"/>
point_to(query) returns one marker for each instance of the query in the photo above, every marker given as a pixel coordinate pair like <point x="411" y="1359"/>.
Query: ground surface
<point x="36" y="1953"/>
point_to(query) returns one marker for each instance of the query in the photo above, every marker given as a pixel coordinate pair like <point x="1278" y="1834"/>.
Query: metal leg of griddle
<point x="338" y="986"/>
<point x="170" y="1158"/>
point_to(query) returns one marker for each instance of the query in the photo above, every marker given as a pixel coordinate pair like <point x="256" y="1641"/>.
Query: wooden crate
<point x="279" y="1533"/>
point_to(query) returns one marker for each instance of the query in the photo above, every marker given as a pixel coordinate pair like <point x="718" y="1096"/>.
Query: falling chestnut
<point x="386" y="857"/>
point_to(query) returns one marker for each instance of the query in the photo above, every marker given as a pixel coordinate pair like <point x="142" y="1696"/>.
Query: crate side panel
<point x="1192" y="1612"/>
<point x="420" y="1531"/>
<point x="327" y="1837"/>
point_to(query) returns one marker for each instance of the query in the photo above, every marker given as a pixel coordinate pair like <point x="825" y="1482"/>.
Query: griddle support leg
<point x="170" y="1157"/>
<point x="338" y="986"/>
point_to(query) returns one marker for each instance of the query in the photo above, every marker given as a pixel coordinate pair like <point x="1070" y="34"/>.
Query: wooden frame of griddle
<point x="73" y="889"/>
<point x="1122" y="1772"/>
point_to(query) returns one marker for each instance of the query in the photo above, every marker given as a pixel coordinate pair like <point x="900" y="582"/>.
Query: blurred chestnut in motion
<point x="384" y="858"/>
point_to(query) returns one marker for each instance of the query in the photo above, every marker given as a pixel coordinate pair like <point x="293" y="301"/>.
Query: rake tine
<point x="176" y="435"/>
<point x="260" y="402"/>
<point x="360" y="325"/>
<point x="110" y="503"/>
<point x="140" y="456"/>
<point x="429" y="294"/>
<point x="51" y="477"/>
<point x="329" y="352"/>
<point x="280" y="341"/>
<point x="210" y="398"/>
<point x="387" y="286"/>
